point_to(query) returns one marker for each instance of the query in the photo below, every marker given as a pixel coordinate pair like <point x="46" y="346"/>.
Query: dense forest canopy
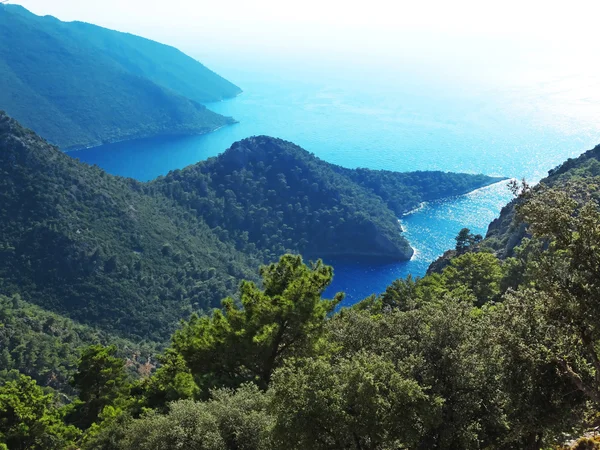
<point x="271" y="196"/>
<point x="490" y="353"/>
<point x="135" y="258"/>
<point x="45" y="346"/>
<point x="494" y="350"/>
<point x="78" y="241"/>
<point x="188" y="312"/>
<point x="80" y="85"/>
<point x="403" y="191"/>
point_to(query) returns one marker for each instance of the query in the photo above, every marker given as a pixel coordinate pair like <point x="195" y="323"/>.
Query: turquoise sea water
<point x="399" y="123"/>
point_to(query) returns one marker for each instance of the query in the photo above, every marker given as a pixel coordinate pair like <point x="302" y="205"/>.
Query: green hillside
<point x="46" y="346"/>
<point x="80" y="242"/>
<point x="80" y="85"/>
<point x="507" y="231"/>
<point x="489" y="354"/>
<point x="162" y="64"/>
<point x="271" y="196"/>
<point x="403" y="191"/>
<point x="133" y="258"/>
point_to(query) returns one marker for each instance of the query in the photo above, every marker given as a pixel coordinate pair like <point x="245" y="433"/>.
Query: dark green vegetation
<point x="508" y="231"/>
<point x="46" y="346"/>
<point x="403" y="192"/>
<point x="134" y="258"/>
<point x="29" y="418"/>
<point x="491" y="353"/>
<point x="281" y="320"/>
<point x="81" y="85"/>
<point x="270" y="196"/>
<point x="80" y="242"/>
<point x="465" y="242"/>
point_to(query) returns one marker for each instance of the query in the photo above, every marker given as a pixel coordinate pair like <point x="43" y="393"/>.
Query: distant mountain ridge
<point x="81" y="85"/>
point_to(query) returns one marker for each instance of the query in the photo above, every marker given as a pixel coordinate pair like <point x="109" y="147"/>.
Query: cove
<point x="412" y="124"/>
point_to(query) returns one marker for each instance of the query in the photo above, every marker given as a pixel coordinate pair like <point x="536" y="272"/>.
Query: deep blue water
<point x="409" y="123"/>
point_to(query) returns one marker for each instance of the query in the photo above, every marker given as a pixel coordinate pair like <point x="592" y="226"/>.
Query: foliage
<point x="46" y="346"/>
<point x="79" y="85"/>
<point x="479" y="273"/>
<point x="532" y="380"/>
<point x="270" y="196"/>
<point x="403" y="192"/>
<point x="27" y="419"/>
<point x="172" y="381"/>
<point x="587" y="444"/>
<point x="493" y="352"/>
<point x="465" y="240"/>
<point x="567" y="276"/>
<point x="100" y="381"/>
<point x="447" y="361"/>
<point x="445" y="348"/>
<point x="476" y="277"/>
<point x="361" y="402"/>
<point x="88" y="245"/>
<point x="508" y="231"/>
<point x="229" y="420"/>
<point x="134" y="258"/>
<point x="401" y="294"/>
<point x="248" y="343"/>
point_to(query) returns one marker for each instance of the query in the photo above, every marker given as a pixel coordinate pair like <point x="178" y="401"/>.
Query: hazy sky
<point x="480" y="33"/>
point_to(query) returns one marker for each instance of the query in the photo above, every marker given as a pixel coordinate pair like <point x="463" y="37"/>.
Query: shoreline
<point x="422" y="205"/>
<point x="148" y="136"/>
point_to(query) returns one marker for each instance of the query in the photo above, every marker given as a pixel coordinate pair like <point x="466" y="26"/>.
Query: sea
<point x="403" y="120"/>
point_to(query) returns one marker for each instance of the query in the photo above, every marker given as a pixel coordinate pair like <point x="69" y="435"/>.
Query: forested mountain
<point x="81" y="85"/>
<point x="490" y="353"/>
<point x="495" y="353"/>
<point x="188" y="312"/>
<point x="133" y="258"/>
<point x="78" y="241"/>
<point x="271" y="196"/>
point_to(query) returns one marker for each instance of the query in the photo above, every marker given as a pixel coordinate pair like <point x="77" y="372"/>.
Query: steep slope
<point x="270" y="195"/>
<point x="162" y="64"/>
<point x="45" y="345"/>
<point x="507" y="232"/>
<point x="80" y="85"/>
<point x="78" y="241"/>
<point x="133" y="258"/>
